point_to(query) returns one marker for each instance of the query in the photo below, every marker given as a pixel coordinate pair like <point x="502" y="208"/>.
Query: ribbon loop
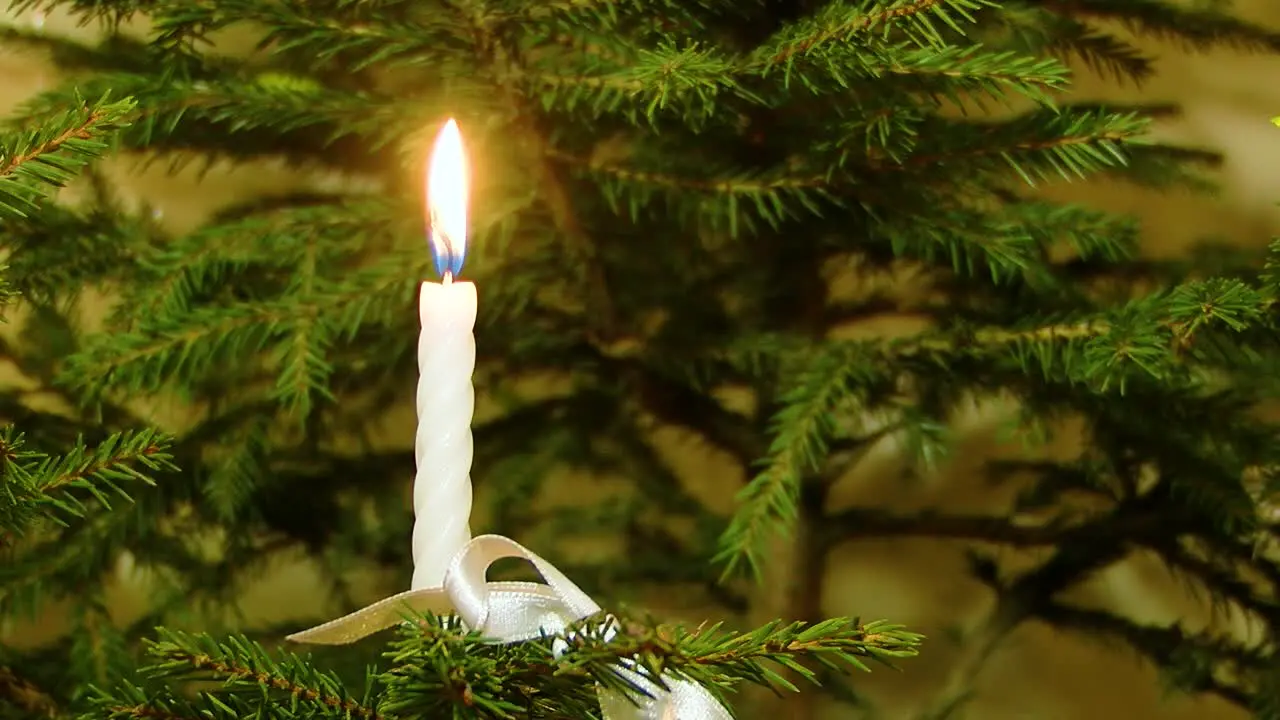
<point x="467" y="587"/>
<point x="517" y="611"/>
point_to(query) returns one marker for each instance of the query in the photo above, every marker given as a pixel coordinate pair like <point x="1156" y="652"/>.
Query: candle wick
<point x="447" y="279"/>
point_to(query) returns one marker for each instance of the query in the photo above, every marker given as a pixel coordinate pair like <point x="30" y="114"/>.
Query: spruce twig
<point x="33" y="163"/>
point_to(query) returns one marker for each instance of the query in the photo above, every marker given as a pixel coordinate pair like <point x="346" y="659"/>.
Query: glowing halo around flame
<point x="447" y="190"/>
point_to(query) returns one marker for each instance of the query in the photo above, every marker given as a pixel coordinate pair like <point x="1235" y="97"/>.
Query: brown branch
<point x="860" y="523"/>
<point x="63" y="481"/>
<point x="25" y="696"/>
<point x="1158" y="645"/>
<point x="934" y="341"/>
<point x="1081" y="551"/>
<point x="44" y="493"/>
<point x="1223" y="581"/>
<point x="1200" y="27"/>
<point x="1246" y="553"/>
<point x="79" y="132"/>
<point x="276" y="682"/>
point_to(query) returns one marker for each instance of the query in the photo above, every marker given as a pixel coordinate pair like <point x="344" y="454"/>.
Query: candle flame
<point x="447" y="183"/>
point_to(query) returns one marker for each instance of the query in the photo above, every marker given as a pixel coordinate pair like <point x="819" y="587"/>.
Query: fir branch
<point x="590" y="47"/>
<point x="181" y="350"/>
<point x="115" y="53"/>
<point x="695" y="80"/>
<point x="1093" y="547"/>
<point x="1153" y="337"/>
<point x="1169" y="167"/>
<point x="1041" y="145"/>
<point x="133" y="702"/>
<point x="1100" y="51"/>
<point x="35" y="162"/>
<point x="609" y="11"/>
<point x="1226" y="581"/>
<point x="856" y="523"/>
<point x="801" y="432"/>
<point x="871" y="144"/>
<point x="952" y="72"/>
<point x="1036" y="146"/>
<point x="50" y="488"/>
<point x="356" y="36"/>
<point x="62" y="560"/>
<point x="747" y="186"/>
<point x="1171" y="649"/>
<point x="87" y="551"/>
<point x="554" y="190"/>
<point x="1016" y="602"/>
<point x="7" y="292"/>
<point x="1014" y="243"/>
<point x="594" y="8"/>
<point x="974" y="70"/>
<point x="304" y="372"/>
<point x="692" y="81"/>
<point x="277" y="235"/>
<point x="1106" y="351"/>
<point x="242" y="666"/>
<point x="840" y="21"/>
<point x="169" y="108"/>
<point x="737" y="201"/>
<point x="436" y="664"/>
<point x="145" y="361"/>
<point x="113" y="12"/>
<point x="57" y="252"/>
<point x="1245" y="553"/>
<point x="1198" y="27"/>
<point x="714" y="657"/>
<point x="236" y="475"/>
<point x="99" y="656"/>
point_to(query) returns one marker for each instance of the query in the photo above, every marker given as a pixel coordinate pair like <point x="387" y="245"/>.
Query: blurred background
<point x="1226" y="99"/>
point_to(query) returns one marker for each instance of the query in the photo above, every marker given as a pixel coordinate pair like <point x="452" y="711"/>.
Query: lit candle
<point x="446" y="359"/>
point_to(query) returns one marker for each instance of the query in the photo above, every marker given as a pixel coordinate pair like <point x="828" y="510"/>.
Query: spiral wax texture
<point x="443" y="446"/>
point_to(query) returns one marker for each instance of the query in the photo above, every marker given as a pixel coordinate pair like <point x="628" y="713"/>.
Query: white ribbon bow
<point x="516" y="611"/>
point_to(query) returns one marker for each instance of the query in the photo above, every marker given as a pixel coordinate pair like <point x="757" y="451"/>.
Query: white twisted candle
<point x="446" y="359"/>
<point x="446" y="401"/>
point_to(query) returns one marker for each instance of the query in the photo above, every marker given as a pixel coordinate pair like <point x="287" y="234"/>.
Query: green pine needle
<point x="33" y="163"/>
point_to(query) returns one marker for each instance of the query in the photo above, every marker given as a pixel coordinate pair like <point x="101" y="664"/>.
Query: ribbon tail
<point x="379" y="616"/>
<point x="682" y="700"/>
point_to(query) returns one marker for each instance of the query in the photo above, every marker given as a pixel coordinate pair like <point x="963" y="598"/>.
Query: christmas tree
<point x="679" y="208"/>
